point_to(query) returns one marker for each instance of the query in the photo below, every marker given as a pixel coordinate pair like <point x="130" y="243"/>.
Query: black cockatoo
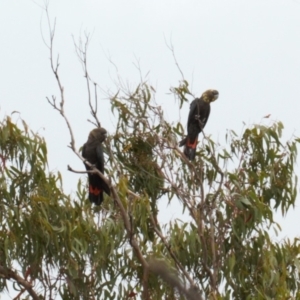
<point x="198" y="116"/>
<point x="92" y="151"/>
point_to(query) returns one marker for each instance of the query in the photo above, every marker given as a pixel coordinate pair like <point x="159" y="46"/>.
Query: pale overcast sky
<point x="248" y="50"/>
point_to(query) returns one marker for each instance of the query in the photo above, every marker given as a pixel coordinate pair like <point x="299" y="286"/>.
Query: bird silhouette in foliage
<point x="92" y="151"/>
<point x="198" y="116"/>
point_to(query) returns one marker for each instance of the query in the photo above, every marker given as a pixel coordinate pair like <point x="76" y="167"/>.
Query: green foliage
<point x="45" y="235"/>
<point x="181" y="92"/>
<point x="222" y="249"/>
<point x="230" y="194"/>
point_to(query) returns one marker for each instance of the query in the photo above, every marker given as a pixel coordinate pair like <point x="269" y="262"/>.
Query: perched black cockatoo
<point x="92" y="151"/>
<point x="198" y="116"/>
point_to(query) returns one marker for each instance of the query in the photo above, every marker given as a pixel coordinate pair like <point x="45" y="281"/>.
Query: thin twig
<point x="81" y="51"/>
<point x="171" y="48"/>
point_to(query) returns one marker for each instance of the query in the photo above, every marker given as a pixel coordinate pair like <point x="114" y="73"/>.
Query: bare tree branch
<point x="9" y="274"/>
<point x="54" y="67"/>
<point x="81" y="51"/>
